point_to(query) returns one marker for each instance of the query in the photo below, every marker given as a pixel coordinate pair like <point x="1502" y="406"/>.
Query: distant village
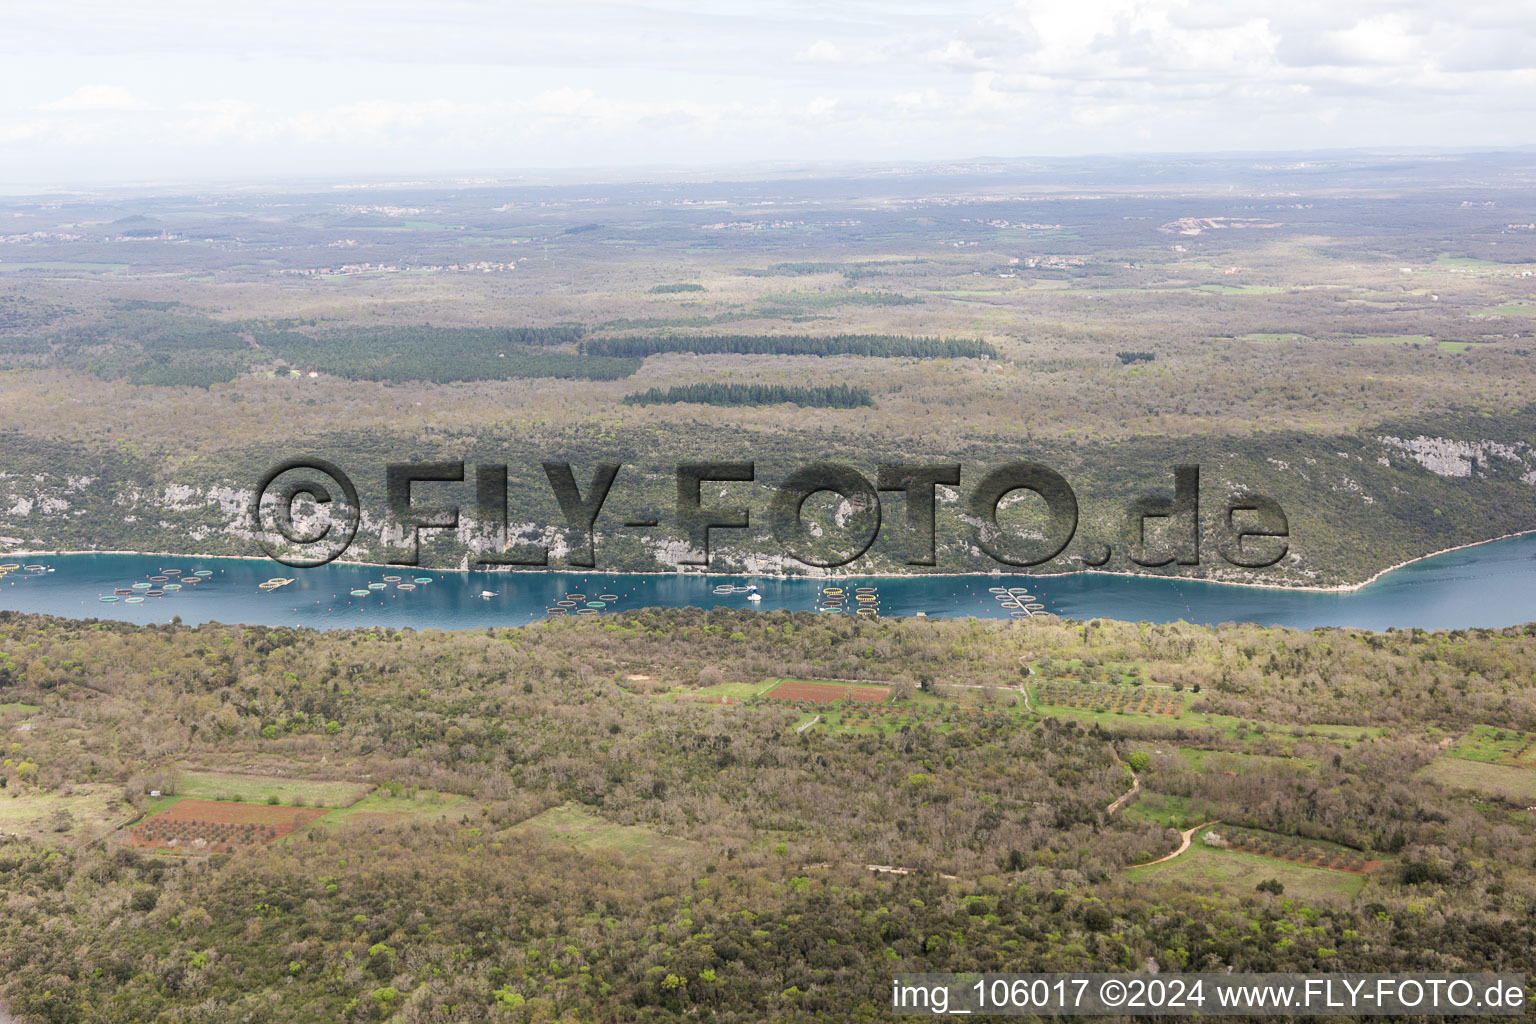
<point x="356" y="269"/>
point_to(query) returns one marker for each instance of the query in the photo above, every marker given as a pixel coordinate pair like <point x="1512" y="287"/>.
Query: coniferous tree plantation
<point x="790" y="345"/>
<point x="834" y="396"/>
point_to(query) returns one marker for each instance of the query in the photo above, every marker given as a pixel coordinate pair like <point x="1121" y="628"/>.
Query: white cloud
<point x="96" y="97"/>
<point x="380" y="84"/>
<point x="821" y="108"/>
<point x="822" y="51"/>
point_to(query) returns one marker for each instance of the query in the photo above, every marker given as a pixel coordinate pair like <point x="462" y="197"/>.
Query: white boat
<point x="487" y="593"/>
<point x="754" y="597"/>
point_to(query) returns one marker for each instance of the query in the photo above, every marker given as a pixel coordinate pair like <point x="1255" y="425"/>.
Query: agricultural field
<point x="1230" y="762"/>
<point x="1497" y="746"/>
<point x="729" y="691"/>
<point x="1179" y="812"/>
<point x="395" y="804"/>
<point x="575" y="826"/>
<point x="1466" y="264"/>
<point x="1293" y="850"/>
<point x="1507" y="782"/>
<point x="214" y="826"/>
<point x="264" y="789"/>
<point x="1207" y="868"/>
<point x="83" y="810"/>
<point x="861" y="717"/>
<point x="1242" y="289"/>
<point x="1140" y="700"/>
<point x="1081" y="670"/>
<point x="1274" y="338"/>
<point x="1393" y="339"/>
<point x="532" y="778"/>
<point x="820" y="692"/>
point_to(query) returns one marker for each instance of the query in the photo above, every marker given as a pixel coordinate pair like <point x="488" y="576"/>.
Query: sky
<point x="125" y="91"/>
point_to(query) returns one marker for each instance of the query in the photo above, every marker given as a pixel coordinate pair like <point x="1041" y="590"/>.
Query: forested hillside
<point x="617" y="818"/>
<point x="1359" y="352"/>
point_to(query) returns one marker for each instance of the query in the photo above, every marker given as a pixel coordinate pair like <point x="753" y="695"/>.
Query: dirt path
<point x="1186" y="837"/>
<point x="1025" y="688"/>
<point x="807" y="725"/>
<point x="1127" y="796"/>
<point x="892" y="870"/>
<point x="887" y="869"/>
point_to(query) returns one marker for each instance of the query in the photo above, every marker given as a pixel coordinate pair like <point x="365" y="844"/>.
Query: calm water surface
<point x="1489" y="585"/>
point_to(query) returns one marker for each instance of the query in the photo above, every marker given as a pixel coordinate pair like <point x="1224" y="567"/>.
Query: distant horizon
<point x="724" y="171"/>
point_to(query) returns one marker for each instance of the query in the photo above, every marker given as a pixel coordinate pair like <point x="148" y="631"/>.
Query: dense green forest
<point x="853" y="271"/>
<point x="441" y="355"/>
<point x="835" y="396"/>
<point x="142" y="345"/>
<point x="800" y="300"/>
<point x="880" y="345"/>
<point x="563" y="822"/>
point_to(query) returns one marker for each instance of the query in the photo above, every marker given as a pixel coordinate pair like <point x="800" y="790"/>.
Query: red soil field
<point x="826" y="693"/>
<point x="217" y="826"/>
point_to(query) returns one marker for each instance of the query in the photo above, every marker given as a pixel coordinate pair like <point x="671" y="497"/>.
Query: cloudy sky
<point x="92" y="90"/>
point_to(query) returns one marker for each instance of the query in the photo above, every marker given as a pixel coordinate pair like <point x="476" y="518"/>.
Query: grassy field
<point x="584" y="830"/>
<point x="1203" y="867"/>
<point x="19" y="708"/>
<point x="1273" y="337"/>
<point x="1508" y="309"/>
<point x="92" y="811"/>
<point x="383" y="806"/>
<point x="1222" y="760"/>
<point x="1497" y="746"/>
<point x="737" y="691"/>
<point x="1166" y="809"/>
<point x="1236" y="728"/>
<point x="1104" y="717"/>
<point x="1501" y="780"/>
<point x="1242" y="289"/>
<point x="260" y="789"/>
<point x="63" y="265"/>
<point x="1470" y="263"/>
<point x="1453" y="346"/>
<point x="1393" y="339"/>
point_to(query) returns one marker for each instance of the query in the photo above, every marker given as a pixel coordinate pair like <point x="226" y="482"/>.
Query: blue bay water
<point x="1489" y="585"/>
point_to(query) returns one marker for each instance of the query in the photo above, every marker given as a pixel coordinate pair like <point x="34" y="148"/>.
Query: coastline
<point x="1341" y="588"/>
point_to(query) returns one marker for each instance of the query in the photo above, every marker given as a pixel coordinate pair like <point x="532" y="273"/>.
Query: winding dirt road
<point x="1187" y="837"/>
